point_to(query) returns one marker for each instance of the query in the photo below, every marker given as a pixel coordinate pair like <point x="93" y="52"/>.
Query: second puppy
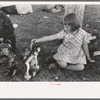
<point x="7" y="57"/>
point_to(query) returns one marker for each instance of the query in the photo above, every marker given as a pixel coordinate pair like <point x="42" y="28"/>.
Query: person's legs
<point x="76" y="67"/>
<point x="61" y="64"/>
<point x="73" y="67"/>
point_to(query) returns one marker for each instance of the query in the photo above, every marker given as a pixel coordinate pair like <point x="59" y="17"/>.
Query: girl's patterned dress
<point x="70" y="50"/>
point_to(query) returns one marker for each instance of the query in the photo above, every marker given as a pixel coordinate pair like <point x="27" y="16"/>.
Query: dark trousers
<point x="9" y="9"/>
<point x="7" y="30"/>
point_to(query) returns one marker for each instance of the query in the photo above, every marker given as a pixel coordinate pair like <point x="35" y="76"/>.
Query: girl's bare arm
<point x="86" y="50"/>
<point x="47" y="38"/>
<point x="43" y="39"/>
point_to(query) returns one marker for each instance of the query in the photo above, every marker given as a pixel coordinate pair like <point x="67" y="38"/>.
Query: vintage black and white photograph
<point x="49" y="42"/>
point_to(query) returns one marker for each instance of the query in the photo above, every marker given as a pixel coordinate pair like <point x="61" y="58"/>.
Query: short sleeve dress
<point x="70" y="50"/>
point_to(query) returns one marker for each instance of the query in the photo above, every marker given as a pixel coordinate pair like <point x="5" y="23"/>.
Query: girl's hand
<point x="33" y="41"/>
<point x="92" y="61"/>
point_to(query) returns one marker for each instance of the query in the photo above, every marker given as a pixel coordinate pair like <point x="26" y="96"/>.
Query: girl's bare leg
<point x="76" y="67"/>
<point x="73" y="67"/>
<point x="62" y="64"/>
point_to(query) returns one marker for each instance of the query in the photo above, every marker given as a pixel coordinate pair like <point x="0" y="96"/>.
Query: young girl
<point x="72" y="53"/>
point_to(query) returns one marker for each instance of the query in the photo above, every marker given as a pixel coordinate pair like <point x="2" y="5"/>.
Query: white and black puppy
<point x="7" y="57"/>
<point x="31" y="61"/>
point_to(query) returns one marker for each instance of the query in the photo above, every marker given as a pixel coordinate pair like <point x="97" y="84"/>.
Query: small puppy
<point x="7" y="58"/>
<point x="31" y="61"/>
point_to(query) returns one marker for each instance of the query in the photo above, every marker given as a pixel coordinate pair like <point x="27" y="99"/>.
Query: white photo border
<point x="50" y="89"/>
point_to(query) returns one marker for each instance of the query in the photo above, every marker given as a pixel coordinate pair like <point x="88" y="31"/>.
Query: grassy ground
<point x="34" y="26"/>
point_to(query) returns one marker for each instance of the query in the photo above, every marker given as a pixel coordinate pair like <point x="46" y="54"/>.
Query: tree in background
<point x="77" y="9"/>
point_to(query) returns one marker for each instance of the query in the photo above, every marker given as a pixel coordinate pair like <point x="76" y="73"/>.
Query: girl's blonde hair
<point x="72" y="20"/>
